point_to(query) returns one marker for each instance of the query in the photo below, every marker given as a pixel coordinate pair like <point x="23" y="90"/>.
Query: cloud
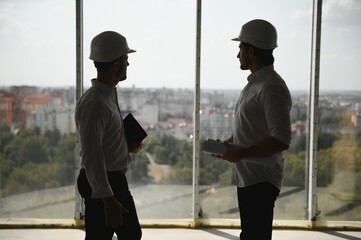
<point x="342" y="12"/>
<point x="338" y="13"/>
<point x="7" y="22"/>
<point x="301" y="15"/>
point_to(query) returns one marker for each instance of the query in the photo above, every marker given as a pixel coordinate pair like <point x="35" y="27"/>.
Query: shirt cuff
<point x="102" y="192"/>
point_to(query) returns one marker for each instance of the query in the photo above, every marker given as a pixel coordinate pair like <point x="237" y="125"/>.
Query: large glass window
<point x="158" y="92"/>
<point x="223" y="80"/>
<point x="339" y="143"/>
<point x="37" y="101"/>
<point x="37" y="96"/>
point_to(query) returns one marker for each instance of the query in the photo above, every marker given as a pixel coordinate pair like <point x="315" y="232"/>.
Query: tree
<point x="331" y="119"/>
<point x="26" y="147"/>
<point x="28" y="155"/>
<point x="53" y="137"/>
<point x="325" y="141"/>
<point x="32" y="177"/>
<point x="65" y="157"/>
<point x="6" y="136"/>
<point x="324" y="170"/>
<point x="211" y="169"/>
<point x="34" y="149"/>
<point x="160" y="154"/>
<point x="150" y="143"/>
<point x="295" y="165"/>
<point x="138" y="168"/>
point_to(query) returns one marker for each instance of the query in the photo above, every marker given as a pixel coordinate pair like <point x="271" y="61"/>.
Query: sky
<point x="37" y="41"/>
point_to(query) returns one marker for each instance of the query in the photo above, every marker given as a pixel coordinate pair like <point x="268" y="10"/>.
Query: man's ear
<point x="115" y="65"/>
<point x="250" y="52"/>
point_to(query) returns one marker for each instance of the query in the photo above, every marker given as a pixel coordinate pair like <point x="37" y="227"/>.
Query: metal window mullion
<point x="79" y="207"/>
<point x="196" y="203"/>
<point x="312" y="209"/>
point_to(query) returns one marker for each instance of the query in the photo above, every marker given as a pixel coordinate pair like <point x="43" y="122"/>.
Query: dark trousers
<point x="95" y="227"/>
<point x="256" y="204"/>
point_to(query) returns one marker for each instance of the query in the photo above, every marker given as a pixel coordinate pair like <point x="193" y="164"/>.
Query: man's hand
<point x="135" y="147"/>
<point x="113" y="211"/>
<point x="232" y="155"/>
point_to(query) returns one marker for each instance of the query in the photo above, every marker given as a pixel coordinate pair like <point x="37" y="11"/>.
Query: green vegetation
<point x="31" y="160"/>
<point x="138" y="170"/>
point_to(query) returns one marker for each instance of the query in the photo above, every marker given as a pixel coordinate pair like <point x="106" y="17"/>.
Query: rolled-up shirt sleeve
<point x="277" y="103"/>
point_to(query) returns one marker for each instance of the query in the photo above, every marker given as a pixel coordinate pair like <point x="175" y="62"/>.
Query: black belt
<point x="120" y="171"/>
<point x="114" y="172"/>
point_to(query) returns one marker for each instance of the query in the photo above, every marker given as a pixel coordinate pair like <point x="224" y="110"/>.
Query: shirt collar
<point x="104" y="88"/>
<point x="261" y="72"/>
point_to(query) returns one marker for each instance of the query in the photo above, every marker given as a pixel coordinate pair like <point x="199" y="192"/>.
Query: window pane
<point x="36" y="109"/>
<point x="339" y="145"/>
<point x="223" y="80"/>
<point x="158" y="92"/>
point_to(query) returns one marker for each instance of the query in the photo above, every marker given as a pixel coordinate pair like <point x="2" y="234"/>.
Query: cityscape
<point x="167" y="111"/>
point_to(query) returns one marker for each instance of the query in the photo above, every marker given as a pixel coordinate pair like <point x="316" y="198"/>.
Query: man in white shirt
<point x="104" y="151"/>
<point x="262" y="128"/>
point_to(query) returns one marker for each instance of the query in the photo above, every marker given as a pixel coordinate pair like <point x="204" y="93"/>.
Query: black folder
<point x="133" y="131"/>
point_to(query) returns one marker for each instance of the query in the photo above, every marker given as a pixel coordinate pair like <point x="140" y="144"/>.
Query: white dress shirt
<point x="103" y="145"/>
<point x="262" y="110"/>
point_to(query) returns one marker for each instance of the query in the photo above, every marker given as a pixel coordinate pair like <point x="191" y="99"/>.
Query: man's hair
<point x="264" y="55"/>
<point x="103" y="66"/>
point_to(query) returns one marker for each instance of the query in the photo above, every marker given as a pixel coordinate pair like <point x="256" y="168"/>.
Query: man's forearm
<point x="265" y="148"/>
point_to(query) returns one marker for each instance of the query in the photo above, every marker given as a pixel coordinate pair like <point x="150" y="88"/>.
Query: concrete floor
<point x="177" y="234"/>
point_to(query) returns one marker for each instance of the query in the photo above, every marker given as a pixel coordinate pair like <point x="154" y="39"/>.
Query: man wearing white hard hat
<point x="262" y="129"/>
<point x="104" y="152"/>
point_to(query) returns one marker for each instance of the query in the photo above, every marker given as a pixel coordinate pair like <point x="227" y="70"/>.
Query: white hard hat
<point x="108" y="46"/>
<point x="258" y="33"/>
